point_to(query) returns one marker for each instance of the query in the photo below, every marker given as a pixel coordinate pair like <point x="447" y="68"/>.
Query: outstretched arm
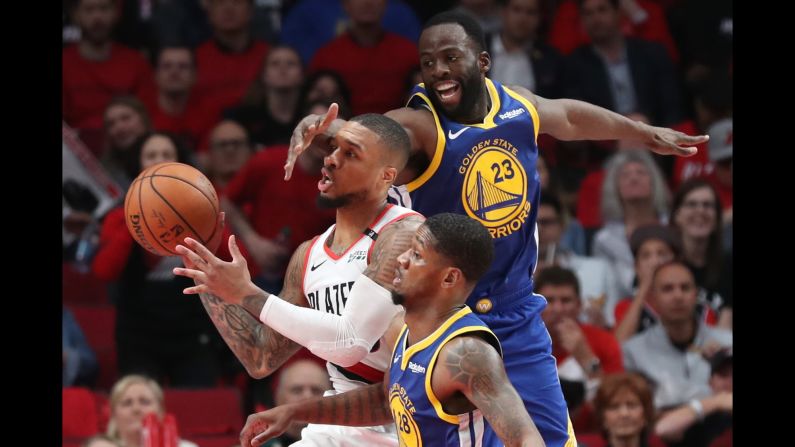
<point x="469" y="365"/>
<point x="362" y="407"/>
<point x="569" y="119"/>
<point x="259" y="348"/>
<point x="347" y="338"/>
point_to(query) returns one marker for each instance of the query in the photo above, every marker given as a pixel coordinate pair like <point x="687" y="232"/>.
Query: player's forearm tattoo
<point x="393" y="241"/>
<point x="259" y="348"/>
<point x="477" y="367"/>
<point x="360" y="407"/>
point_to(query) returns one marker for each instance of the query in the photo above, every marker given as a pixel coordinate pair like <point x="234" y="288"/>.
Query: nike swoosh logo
<point x="455" y="135"/>
<point x="315" y="267"/>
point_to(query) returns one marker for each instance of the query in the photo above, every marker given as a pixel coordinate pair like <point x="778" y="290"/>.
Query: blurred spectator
<point x="599" y="288"/>
<point x="298" y="380"/>
<point x="268" y="111"/>
<point x="721" y="143"/>
<point x="126" y="121"/>
<point x="703" y="33"/>
<point x="652" y="246"/>
<point x="176" y="107"/>
<point x="230" y="149"/>
<point x="670" y="353"/>
<point x="712" y="102"/>
<point x="518" y="56"/>
<point x="697" y="218"/>
<point x="485" y="12"/>
<point x="584" y="353"/>
<point x="622" y="74"/>
<point x="131" y="399"/>
<point x="96" y="69"/>
<point x="643" y="19"/>
<point x="701" y="421"/>
<point x="625" y="412"/>
<point x="100" y="441"/>
<point x="311" y="24"/>
<point x="231" y="60"/>
<point x="327" y="86"/>
<point x="180" y="22"/>
<point x="80" y="367"/>
<point x="633" y="194"/>
<point x="158" y="331"/>
<point x="573" y="238"/>
<point x="374" y="62"/>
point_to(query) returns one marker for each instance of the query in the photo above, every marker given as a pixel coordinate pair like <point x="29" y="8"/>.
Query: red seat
<point x="99" y="325"/>
<point x="206" y="412"/>
<point x="82" y="288"/>
<point x="79" y="418"/>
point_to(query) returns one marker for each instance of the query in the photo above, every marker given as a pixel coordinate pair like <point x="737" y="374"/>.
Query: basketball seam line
<point x="195" y="233"/>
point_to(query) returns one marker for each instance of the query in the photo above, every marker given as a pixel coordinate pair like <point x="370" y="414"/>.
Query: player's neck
<point x="353" y="219"/>
<point x="426" y="318"/>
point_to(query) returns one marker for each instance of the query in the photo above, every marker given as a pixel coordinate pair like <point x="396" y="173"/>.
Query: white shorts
<point x="319" y="435"/>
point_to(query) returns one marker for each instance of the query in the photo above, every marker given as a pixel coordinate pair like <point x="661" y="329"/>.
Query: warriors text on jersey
<point x="327" y="281"/>
<point x="419" y="416"/>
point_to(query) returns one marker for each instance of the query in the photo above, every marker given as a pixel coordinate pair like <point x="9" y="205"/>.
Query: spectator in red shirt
<point x="584" y="353"/>
<point x="96" y="69"/>
<point x="230" y="61"/>
<point x="175" y="107"/>
<point x="375" y="63"/>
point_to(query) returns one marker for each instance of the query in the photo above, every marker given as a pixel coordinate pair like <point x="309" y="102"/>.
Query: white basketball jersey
<point x="328" y="279"/>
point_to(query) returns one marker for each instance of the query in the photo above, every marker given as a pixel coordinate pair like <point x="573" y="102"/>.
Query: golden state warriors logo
<point x="402" y="409"/>
<point x="495" y="187"/>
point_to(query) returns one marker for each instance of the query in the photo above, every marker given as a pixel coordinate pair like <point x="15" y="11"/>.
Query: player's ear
<point x="484" y="61"/>
<point x="452" y="277"/>
<point x="389" y="175"/>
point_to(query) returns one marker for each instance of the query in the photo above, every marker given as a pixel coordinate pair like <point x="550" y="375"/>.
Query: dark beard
<point x="326" y="203"/>
<point x="472" y="88"/>
<point x="397" y="298"/>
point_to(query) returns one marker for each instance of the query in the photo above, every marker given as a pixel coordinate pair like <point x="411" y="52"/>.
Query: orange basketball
<point x="169" y="202"/>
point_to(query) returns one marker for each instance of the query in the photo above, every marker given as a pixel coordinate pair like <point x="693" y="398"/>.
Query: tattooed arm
<point x="470" y="366"/>
<point x="259" y="348"/>
<point x="347" y="338"/>
<point x="362" y="407"/>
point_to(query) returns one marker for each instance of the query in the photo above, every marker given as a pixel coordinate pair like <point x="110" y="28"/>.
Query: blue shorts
<point x="527" y="354"/>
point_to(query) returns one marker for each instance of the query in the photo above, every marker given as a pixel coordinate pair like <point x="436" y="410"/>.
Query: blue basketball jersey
<point x="488" y="172"/>
<point x="418" y="414"/>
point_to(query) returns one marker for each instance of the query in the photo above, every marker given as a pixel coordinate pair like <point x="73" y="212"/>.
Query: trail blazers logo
<point x="495" y="187"/>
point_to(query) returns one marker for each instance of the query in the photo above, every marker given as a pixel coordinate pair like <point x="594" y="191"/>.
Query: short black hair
<point x="464" y="241"/>
<point x="467" y="21"/>
<point x="557" y="276"/>
<point x="391" y="134"/>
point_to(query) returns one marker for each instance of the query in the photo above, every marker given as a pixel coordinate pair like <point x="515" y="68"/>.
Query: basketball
<point x="169" y="202"/>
